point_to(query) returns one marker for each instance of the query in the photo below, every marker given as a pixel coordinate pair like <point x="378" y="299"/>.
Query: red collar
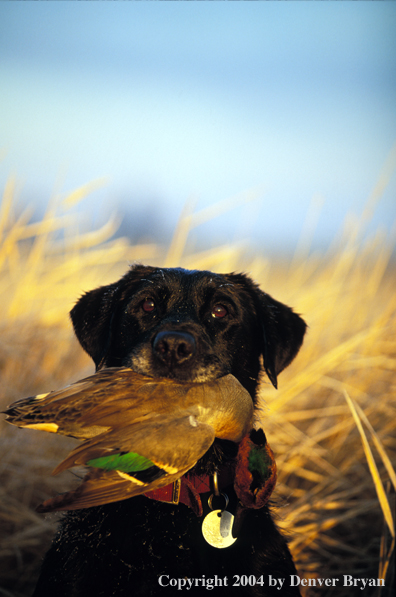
<point x="188" y="488"/>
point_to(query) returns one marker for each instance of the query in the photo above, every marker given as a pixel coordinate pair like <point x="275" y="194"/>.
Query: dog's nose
<point x="174" y="348"/>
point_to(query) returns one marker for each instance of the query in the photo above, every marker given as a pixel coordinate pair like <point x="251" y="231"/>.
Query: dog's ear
<point x="282" y="330"/>
<point x="283" y="334"/>
<point x="94" y="314"/>
<point x="92" y="318"/>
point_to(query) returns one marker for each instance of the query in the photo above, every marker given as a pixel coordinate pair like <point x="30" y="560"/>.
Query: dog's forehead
<point x="184" y="282"/>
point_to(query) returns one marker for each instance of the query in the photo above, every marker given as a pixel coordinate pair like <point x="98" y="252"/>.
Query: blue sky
<point x="207" y="99"/>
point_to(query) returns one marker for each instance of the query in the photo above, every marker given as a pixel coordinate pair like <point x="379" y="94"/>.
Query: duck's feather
<point x="118" y="396"/>
<point x="140" y="433"/>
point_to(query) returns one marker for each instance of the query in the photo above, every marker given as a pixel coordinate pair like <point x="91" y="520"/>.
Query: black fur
<point x="186" y="325"/>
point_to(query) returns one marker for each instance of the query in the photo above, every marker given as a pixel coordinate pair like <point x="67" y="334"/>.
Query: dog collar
<point x="188" y="488"/>
<point x="252" y="472"/>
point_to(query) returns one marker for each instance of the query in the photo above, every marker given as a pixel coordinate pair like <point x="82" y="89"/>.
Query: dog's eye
<point x="148" y="305"/>
<point x="219" y="311"/>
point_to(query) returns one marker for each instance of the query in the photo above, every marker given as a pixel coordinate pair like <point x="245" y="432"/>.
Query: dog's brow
<point x="146" y="280"/>
<point x="157" y="274"/>
<point x="228" y="284"/>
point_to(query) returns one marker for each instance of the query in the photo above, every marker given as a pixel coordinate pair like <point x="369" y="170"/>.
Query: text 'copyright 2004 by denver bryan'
<point x="209" y="583"/>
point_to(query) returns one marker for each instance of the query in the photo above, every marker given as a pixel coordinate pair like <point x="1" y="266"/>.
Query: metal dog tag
<point x="217" y="527"/>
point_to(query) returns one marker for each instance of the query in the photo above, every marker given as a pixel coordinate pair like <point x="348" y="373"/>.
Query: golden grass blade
<point x="9" y="244"/>
<point x="6" y="203"/>
<point x="319" y="367"/>
<point x="190" y="219"/>
<point x="378" y="444"/>
<point x="23" y="230"/>
<point x="222" y="259"/>
<point x="385" y="553"/>
<point x="179" y="240"/>
<point x="305" y="240"/>
<point x="221" y="207"/>
<point x="373" y="468"/>
<point x="383" y="181"/>
<point x="95" y="237"/>
<point x="81" y="193"/>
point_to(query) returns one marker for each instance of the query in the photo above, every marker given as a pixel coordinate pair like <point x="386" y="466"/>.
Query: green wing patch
<point x="127" y="463"/>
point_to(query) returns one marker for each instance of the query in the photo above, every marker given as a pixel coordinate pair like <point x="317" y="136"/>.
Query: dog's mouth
<point x="177" y="355"/>
<point x="196" y="375"/>
<point x="144" y="361"/>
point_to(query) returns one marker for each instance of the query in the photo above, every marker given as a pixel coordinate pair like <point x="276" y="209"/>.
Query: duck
<point x="139" y="433"/>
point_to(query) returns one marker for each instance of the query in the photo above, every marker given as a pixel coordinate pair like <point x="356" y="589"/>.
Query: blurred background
<point x="291" y="103"/>
<point x="228" y="136"/>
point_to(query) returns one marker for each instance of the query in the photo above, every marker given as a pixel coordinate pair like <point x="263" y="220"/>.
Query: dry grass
<point x="331" y="424"/>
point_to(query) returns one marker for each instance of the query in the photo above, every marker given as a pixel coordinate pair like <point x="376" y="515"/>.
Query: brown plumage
<point x="140" y="433"/>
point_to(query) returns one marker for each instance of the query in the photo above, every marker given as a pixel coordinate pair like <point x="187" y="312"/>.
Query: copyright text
<point x="209" y="583"/>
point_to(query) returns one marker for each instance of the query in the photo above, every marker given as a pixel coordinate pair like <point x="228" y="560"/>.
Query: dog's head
<point x="188" y="325"/>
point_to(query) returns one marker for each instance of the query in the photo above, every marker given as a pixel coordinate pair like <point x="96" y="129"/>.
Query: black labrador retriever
<point x="191" y="326"/>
